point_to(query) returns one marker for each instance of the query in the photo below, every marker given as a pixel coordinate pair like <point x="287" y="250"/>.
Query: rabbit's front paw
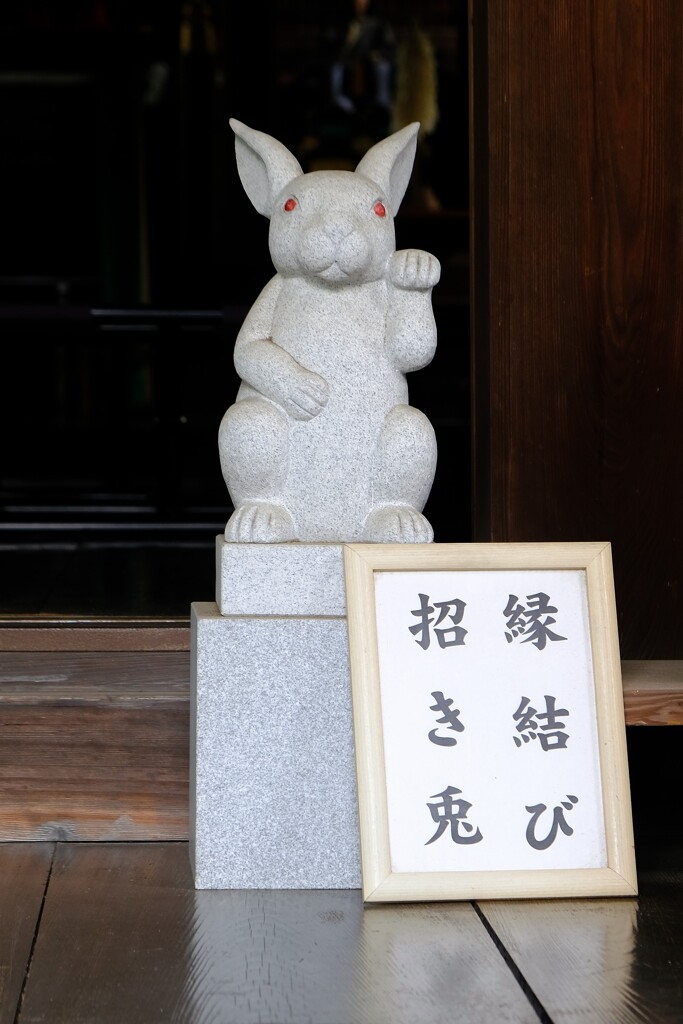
<point x="260" y="522"/>
<point x="308" y="396"/>
<point x="414" y="269"/>
<point x="397" y="524"/>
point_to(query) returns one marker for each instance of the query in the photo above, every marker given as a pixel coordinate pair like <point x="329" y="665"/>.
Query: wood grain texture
<point x="462" y="557"/>
<point x="653" y="692"/>
<point x="94" y="746"/>
<point x="54" y="633"/>
<point x="125" y="938"/>
<point x="578" y="307"/>
<point x="24" y="870"/>
<point x="617" y="962"/>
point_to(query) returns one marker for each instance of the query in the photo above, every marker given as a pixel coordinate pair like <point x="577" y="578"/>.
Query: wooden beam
<point x="653" y="692"/>
<point x="95" y="745"/>
<point x="97" y="633"/>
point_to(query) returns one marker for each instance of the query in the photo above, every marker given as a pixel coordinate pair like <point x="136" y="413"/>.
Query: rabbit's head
<point x="335" y="226"/>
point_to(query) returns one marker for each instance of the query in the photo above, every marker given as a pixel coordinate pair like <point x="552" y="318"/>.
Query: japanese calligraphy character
<point x="452" y="812"/>
<point x="552" y="735"/>
<point x="527" y="724"/>
<point x="516" y="618"/>
<point x="558" y="823"/>
<point x="422" y="627"/>
<point x="448" y="715"/>
<point x="529" y="620"/>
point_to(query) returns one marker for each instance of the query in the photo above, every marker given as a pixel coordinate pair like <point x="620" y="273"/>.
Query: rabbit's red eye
<point x="290" y="205"/>
<point x="380" y="209"/>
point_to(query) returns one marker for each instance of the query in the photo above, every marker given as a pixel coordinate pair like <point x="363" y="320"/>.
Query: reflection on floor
<point x="111" y="932"/>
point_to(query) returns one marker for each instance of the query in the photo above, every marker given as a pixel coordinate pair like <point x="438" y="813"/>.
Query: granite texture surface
<point x="321" y="444"/>
<point x="273" y="788"/>
<point x="280" y="579"/>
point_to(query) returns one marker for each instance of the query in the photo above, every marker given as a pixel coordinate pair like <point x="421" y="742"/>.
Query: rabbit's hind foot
<point x="397" y="524"/>
<point x="260" y="522"/>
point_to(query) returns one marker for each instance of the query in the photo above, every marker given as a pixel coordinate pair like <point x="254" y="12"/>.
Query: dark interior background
<point x="130" y="255"/>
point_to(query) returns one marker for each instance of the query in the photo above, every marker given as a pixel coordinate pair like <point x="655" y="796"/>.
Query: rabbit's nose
<point x="338" y="230"/>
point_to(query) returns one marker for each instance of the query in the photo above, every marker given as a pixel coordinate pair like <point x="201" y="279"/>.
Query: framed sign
<point x="489" y="721"/>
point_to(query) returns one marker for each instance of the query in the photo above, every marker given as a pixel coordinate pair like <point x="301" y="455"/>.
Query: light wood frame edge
<point x="611" y="724"/>
<point x="380" y="884"/>
<point x="373" y="818"/>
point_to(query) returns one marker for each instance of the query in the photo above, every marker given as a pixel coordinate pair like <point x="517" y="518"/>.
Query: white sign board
<point x="490" y="691"/>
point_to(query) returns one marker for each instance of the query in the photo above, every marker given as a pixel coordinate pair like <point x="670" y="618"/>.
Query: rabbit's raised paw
<point x="260" y="522"/>
<point x="414" y="269"/>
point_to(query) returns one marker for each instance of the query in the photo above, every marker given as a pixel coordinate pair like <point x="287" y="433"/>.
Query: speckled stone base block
<point x="280" y="579"/>
<point x="273" y="800"/>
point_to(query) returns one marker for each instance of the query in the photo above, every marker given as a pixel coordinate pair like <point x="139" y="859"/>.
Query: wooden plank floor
<point x="615" y="957"/>
<point x="24" y="870"/>
<point x="123" y="936"/>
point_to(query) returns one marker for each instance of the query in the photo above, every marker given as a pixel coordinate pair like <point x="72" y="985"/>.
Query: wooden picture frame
<point x="417" y="650"/>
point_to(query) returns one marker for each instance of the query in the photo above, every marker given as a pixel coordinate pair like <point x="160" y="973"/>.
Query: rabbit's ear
<point x="390" y="162"/>
<point x="264" y="165"/>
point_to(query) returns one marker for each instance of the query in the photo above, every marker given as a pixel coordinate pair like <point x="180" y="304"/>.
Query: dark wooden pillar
<point x="578" y="290"/>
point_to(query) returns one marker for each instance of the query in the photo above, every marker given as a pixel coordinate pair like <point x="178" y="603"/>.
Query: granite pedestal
<point x="273" y="788"/>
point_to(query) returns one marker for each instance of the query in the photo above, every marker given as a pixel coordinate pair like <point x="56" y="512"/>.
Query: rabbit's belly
<point x="329" y="488"/>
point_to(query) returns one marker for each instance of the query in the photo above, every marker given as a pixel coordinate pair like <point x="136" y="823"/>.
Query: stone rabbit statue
<point x="321" y="444"/>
